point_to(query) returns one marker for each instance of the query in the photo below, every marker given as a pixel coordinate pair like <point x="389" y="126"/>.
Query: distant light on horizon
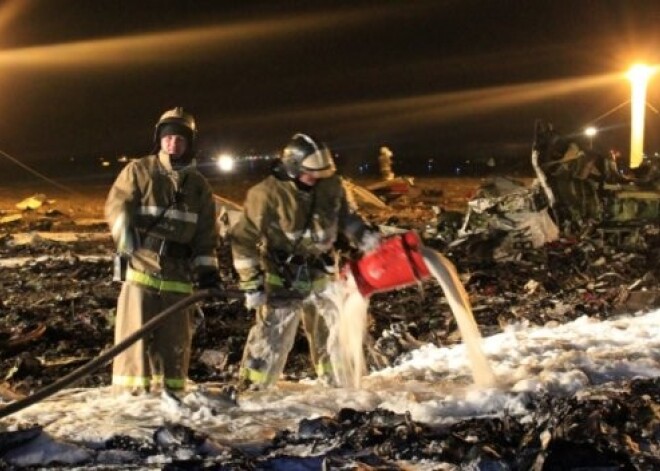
<point x="590" y="131"/>
<point x="226" y="163"/>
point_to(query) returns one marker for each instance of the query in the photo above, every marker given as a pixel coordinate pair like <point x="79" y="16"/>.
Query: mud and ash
<point x="56" y="314"/>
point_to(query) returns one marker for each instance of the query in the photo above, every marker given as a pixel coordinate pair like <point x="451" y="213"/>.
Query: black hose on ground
<point x="108" y="355"/>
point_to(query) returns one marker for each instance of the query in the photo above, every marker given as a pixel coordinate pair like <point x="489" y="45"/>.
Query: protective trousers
<point x="271" y="338"/>
<point x="161" y="359"/>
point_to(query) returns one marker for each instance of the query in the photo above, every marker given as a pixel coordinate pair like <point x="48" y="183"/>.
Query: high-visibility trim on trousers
<point x="157" y="283"/>
<point x="145" y="382"/>
<point x="323" y="368"/>
<point x="132" y="381"/>
<point x="254" y="376"/>
<point x="162" y="356"/>
<point x="170" y="383"/>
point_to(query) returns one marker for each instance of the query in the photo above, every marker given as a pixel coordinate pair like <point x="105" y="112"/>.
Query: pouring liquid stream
<point x="348" y="326"/>
<point x="445" y="273"/>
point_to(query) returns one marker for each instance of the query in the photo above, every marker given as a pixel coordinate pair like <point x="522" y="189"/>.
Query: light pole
<point x="639" y="76"/>
<point x="590" y="132"/>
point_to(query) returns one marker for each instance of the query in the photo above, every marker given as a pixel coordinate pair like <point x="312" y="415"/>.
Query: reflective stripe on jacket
<point x="158" y="284"/>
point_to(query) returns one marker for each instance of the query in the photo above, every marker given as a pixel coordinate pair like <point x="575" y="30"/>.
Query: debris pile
<point x="613" y="427"/>
<point x="603" y="428"/>
<point x="57" y="312"/>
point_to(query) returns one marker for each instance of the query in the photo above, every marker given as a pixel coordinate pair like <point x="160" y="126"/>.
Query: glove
<point x="327" y="263"/>
<point x="255" y="299"/>
<point x="369" y="242"/>
<point x="209" y="280"/>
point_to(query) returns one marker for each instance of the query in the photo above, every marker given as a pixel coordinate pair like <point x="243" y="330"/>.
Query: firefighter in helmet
<point x="161" y="214"/>
<point x="283" y="245"/>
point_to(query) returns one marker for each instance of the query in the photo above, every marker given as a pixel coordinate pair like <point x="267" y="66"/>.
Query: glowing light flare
<point x="397" y="113"/>
<point x="590" y="131"/>
<point x="9" y="11"/>
<point x="639" y="76"/>
<point x="225" y="163"/>
<point x="230" y="38"/>
<point x="119" y="52"/>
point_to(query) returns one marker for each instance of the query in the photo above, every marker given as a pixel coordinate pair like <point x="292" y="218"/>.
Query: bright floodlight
<point x="638" y="75"/>
<point x="590" y="132"/>
<point x="225" y="163"/>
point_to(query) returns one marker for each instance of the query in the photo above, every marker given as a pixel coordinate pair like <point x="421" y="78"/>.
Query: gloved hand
<point x="369" y="242"/>
<point x="255" y="299"/>
<point x="209" y="280"/>
<point x="328" y="263"/>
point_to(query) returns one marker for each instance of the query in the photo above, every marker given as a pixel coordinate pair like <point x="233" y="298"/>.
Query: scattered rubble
<point x="57" y="312"/>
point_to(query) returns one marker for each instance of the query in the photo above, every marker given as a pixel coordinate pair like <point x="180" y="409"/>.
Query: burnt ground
<point x="56" y="313"/>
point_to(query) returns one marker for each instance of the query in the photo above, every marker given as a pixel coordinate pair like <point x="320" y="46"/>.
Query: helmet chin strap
<point x="177" y="163"/>
<point x="172" y="163"/>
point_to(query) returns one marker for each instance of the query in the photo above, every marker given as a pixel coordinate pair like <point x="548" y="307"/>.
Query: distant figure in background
<point x="284" y="244"/>
<point x="161" y="214"/>
<point x="490" y="163"/>
<point x="385" y="163"/>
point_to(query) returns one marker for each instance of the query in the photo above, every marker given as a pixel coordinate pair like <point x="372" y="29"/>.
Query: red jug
<point x="396" y="263"/>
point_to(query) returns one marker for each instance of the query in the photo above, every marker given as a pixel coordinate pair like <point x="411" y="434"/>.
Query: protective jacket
<point x="282" y="225"/>
<point x="164" y="220"/>
<point x="283" y="243"/>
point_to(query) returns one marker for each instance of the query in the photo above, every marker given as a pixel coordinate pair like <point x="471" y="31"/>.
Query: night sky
<point x="445" y="80"/>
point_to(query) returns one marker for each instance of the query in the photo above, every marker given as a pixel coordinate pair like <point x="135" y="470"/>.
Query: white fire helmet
<point x="304" y="154"/>
<point x="178" y="118"/>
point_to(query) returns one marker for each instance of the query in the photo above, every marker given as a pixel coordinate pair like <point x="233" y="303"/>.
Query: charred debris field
<point x="57" y="313"/>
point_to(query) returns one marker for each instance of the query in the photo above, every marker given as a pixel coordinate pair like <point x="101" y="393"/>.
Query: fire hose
<point x="109" y="354"/>
<point x="397" y="262"/>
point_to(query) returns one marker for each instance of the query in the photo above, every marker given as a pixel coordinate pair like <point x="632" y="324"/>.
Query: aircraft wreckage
<point x="581" y="240"/>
